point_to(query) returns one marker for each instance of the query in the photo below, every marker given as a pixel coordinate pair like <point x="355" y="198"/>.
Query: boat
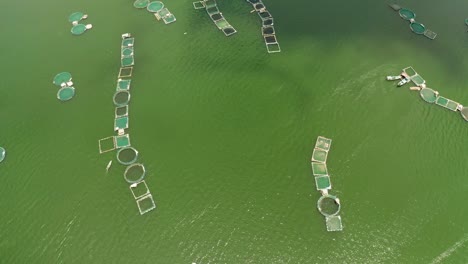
<point x="2" y="154"/>
<point x="392" y="78"/>
<point x="466" y="21"/>
<point x="108" y="166"/>
<point x="403" y="82"/>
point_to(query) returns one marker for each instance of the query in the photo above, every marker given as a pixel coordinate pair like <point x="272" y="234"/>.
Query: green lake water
<point x="226" y="132"/>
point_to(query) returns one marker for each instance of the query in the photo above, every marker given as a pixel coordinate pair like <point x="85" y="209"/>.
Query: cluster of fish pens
<point x="268" y="30"/>
<point x="415" y="26"/>
<point x="211" y="8"/>
<point x="429" y="95"/>
<point x="78" y="28"/>
<point x="127" y="155"/>
<point x="157" y="8"/>
<point x="328" y="205"/>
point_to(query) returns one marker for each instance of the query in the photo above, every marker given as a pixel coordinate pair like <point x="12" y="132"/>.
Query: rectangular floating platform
<point x="333" y="223"/>
<point x="127" y="61"/>
<point x="447" y="103"/>
<point x="264" y="15"/>
<point x="146" y="204"/>
<point x="123" y="85"/>
<point x="121" y="123"/>
<point x="106" y="144"/>
<point x="122" y="141"/>
<point x="121" y="111"/>
<point x="323" y="182"/>
<point x="430" y="34"/>
<point x="410" y="71"/>
<point x="319" y="168"/>
<point x="125" y="72"/>
<point x="166" y="16"/>
<point x="140" y="190"/>
<point x="319" y="155"/>
<point x="323" y="143"/>
<point x="418" y="80"/>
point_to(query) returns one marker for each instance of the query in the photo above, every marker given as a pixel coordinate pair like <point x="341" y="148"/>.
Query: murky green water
<point x="226" y="132"/>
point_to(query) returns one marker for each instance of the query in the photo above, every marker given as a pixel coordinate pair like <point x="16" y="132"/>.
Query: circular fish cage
<point x="62" y="77"/>
<point x="127" y="52"/>
<point x="2" y="154"/>
<point x="121" y="98"/>
<point x="141" y="3"/>
<point x="428" y="95"/>
<point x="77" y="16"/>
<point x="406" y="14"/>
<point x="417" y="28"/>
<point x="65" y="93"/>
<point x="78" y="29"/>
<point x="134" y="173"/>
<point x="328" y="205"/>
<point x="127" y="156"/>
<point x="155" y="6"/>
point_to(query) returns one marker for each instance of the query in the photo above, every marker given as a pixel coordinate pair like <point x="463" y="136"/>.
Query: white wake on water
<point x="450" y="250"/>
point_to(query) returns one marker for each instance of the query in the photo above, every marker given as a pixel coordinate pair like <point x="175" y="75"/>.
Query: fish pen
<point x="216" y="16"/>
<point x="447" y="103"/>
<point x="155" y="6"/>
<point x="106" y="144"/>
<point x="123" y="84"/>
<point x="125" y="72"/>
<point x="127" y="51"/>
<point x="319" y="168"/>
<point x="78" y="29"/>
<point x="62" y="79"/>
<point x="322" y="183"/>
<point x="121" y="98"/>
<point x="464" y="113"/>
<point x="122" y="141"/>
<point x="135" y="173"/>
<point x="140" y="4"/>
<point x="139" y="189"/>
<point x="66" y="93"/>
<point x="121" y="123"/>
<point x="323" y="143"/>
<point x="121" y="111"/>
<point x="146" y="204"/>
<point x="76" y="17"/>
<point x="166" y="16"/>
<point x="416" y="27"/>
<point x="268" y="31"/>
<point x="319" y="155"/>
<point x="127" y="155"/>
<point x="428" y="95"/>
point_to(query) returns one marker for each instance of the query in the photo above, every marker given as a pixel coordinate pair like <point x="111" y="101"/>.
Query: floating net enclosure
<point x="333" y="223"/>
<point x="125" y="72"/>
<point x="106" y="144"/>
<point x="264" y="15"/>
<point x="155" y="6"/>
<point x="328" y="205"/>
<point x="78" y="29"/>
<point x="139" y="189"/>
<point x="2" y="154"/>
<point x="62" y="77"/>
<point x="146" y="204"/>
<point x="395" y="7"/>
<point x="447" y="103"/>
<point x="323" y="143"/>
<point x="269" y="30"/>
<point x="121" y="123"/>
<point x="417" y="28"/>
<point x="122" y="141"/>
<point x="322" y="182"/>
<point x="128" y="42"/>
<point x="65" y="93"/>
<point x="428" y="95"/>
<point x="418" y="80"/>
<point x="134" y="173"/>
<point x="141" y="3"/>
<point x="77" y="16"/>
<point x="128" y="51"/>
<point x="268" y="22"/>
<point x="406" y="14"/>
<point x="127" y="61"/>
<point x="127" y="156"/>
<point x="121" y="111"/>
<point x="123" y="84"/>
<point x="319" y="168"/>
<point x="319" y="155"/>
<point x="121" y="98"/>
<point x="430" y="34"/>
<point x="198" y="5"/>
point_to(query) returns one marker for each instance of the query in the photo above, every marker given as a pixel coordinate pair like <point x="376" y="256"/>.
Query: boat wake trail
<point x="450" y="250"/>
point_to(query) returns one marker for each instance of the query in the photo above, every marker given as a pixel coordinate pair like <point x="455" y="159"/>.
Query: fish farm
<point x="267" y="29"/>
<point x="415" y="26"/>
<point x="328" y="205"/>
<point x="429" y="95"/>
<point x="157" y="9"/>
<point x="216" y="16"/>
